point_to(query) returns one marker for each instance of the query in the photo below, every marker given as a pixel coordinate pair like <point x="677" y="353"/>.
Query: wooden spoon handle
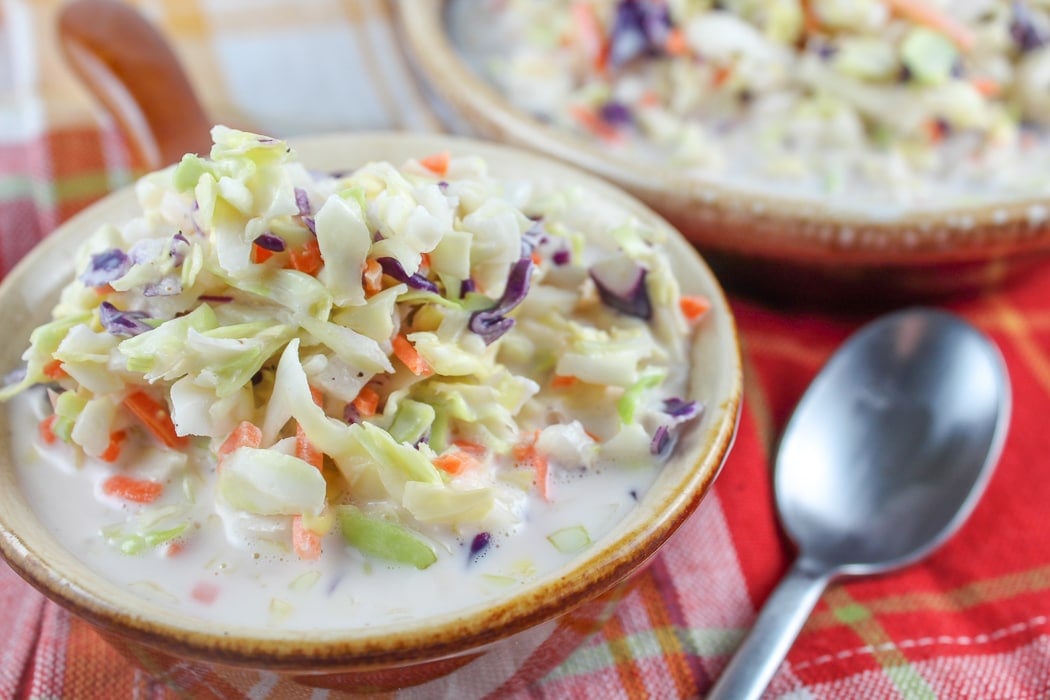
<point x="131" y="70"/>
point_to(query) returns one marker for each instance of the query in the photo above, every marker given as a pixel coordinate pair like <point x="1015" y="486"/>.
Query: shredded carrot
<point x="47" y="429"/>
<point x="104" y="289"/>
<point x="525" y="454"/>
<point x="592" y="436"/>
<point x="424" y="261"/>
<point x="367" y="402"/>
<point x="456" y="462"/>
<point x="436" y="163"/>
<point x="131" y="489"/>
<point x="721" y="75"/>
<point x="411" y="358"/>
<point x="53" y="370"/>
<point x="155" y="417"/>
<point x="372" y="277"/>
<point x="205" y="592"/>
<point x="563" y="381"/>
<point x="246" y="434"/>
<point x="260" y="254"/>
<point x="988" y="87"/>
<point x="591" y="121"/>
<point x="112" y="451"/>
<point x="694" y="306"/>
<point x="590" y="35"/>
<point x="537" y="259"/>
<point x="305" y="542"/>
<point x="810" y="18"/>
<point x="649" y="98"/>
<point x="936" y="130"/>
<point x="923" y="13"/>
<point x="174" y="548"/>
<point x="676" y="43"/>
<point x="476" y="449"/>
<point x="306" y="258"/>
<point x="306" y="450"/>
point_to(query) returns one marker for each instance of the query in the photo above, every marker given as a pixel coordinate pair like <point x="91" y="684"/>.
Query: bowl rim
<point x="733" y="218"/>
<point x="104" y="604"/>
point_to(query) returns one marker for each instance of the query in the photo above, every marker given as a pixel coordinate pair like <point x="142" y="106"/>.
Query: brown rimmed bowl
<point x="784" y="249"/>
<point x="474" y="651"/>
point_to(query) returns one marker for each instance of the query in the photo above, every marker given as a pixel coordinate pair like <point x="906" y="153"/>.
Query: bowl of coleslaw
<point x="839" y="152"/>
<point x="357" y="412"/>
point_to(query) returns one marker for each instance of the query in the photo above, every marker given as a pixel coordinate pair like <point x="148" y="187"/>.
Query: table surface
<point x="969" y="622"/>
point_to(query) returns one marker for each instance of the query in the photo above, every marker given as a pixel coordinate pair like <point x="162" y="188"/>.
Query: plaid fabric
<point x="973" y="621"/>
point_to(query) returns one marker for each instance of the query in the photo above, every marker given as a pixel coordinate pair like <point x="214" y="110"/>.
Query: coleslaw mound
<point x="895" y="102"/>
<point x="390" y="359"/>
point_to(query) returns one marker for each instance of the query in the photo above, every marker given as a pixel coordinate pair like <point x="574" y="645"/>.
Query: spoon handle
<point x="777" y="626"/>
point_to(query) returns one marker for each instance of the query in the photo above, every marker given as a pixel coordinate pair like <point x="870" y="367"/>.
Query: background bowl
<point x="523" y="635"/>
<point x="782" y="248"/>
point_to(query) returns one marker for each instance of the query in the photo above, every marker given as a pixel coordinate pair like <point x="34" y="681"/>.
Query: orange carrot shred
<point x="367" y="402"/>
<point x="694" y="307"/>
<point x="469" y="447"/>
<point x="305" y="542"/>
<point x="306" y="450"/>
<point x="260" y="254"/>
<point x="676" y="44"/>
<point x="307" y="258"/>
<point x="47" y="429"/>
<point x="436" y="163"/>
<point x="130" y="489"/>
<point x="205" y="592"/>
<point x="923" y="13"/>
<point x="411" y="358"/>
<point x="372" y="277"/>
<point x="988" y="87"/>
<point x="460" y="460"/>
<point x="590" y="36"/>
<point x="53" y="370"/>
<point x="563" y="381"/>
<point x="590" y="120"/>
<point x="246" y="434"/>
<point x="526" y="455"/>
<point x="174" y="548"/>
<point x="155" y="417"/>
<point x="112" y="450"/>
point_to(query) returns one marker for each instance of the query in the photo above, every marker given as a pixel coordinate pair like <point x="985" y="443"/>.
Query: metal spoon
<point x="884" y="458"/>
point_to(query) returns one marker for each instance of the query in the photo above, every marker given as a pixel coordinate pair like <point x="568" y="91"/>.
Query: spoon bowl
<point x="884" y="458"/>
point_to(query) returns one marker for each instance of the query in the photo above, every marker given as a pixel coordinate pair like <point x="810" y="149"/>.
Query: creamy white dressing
<point x="261" y="582"/>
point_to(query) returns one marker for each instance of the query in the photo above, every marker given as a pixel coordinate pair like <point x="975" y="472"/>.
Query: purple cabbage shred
<point x="616" y="113"/>
<point x="466" y="287"/>
<point x="302" y="200"/>
<point x="215" y="298"/>
<point x="105" y="267"/>
<point x="640" y="28"/>
<point x="681" y="409"/>
<point x="663" y="442"/>
<point x="179" y="244"/>
<point x="634" y="303"/>
<point x="393" y="267"/>
<point x="493" y="322"/>
<point x="122" y="323"/>
<point x="562" y="257"/>
<point x="1024" y="30"/>
<point x="351" y="414"/>
<point x="269" y="241"/>
<point x="479" y="544"/>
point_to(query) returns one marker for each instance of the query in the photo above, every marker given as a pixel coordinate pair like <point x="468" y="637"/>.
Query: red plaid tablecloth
<point x="973" y="621"/>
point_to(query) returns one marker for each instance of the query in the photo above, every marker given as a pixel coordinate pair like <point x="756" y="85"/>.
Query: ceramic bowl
<point x="472" y="652"/>
<point x="783" y="248"/>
